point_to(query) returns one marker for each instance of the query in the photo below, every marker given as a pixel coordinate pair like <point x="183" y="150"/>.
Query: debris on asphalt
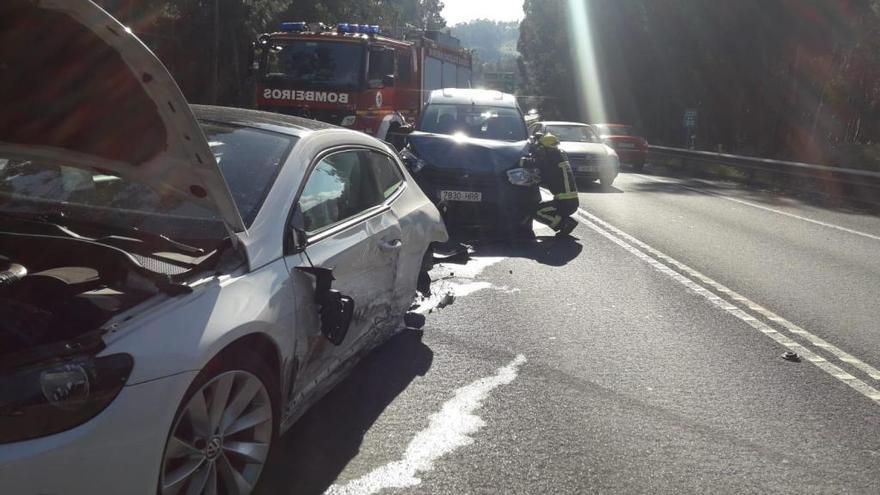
<point x="447" y="300"/>
<point x="453" y="253"/>
<point x="791" y="356"/>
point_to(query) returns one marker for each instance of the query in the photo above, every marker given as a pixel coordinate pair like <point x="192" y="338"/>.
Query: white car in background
<point x="177" y="284"/>
<point x="590" y="158"/>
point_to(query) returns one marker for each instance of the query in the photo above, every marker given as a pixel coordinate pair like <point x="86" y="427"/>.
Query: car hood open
<point x="476" y="155"/>
<point x="77" y="88"/>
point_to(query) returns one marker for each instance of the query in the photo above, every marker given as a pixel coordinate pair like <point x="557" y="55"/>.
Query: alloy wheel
<point x="220" y="440"/>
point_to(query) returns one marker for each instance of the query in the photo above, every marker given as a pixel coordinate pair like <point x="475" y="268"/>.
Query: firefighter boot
<point x="566" y="226"/>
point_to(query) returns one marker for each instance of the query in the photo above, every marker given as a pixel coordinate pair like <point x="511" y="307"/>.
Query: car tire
<point x="520" y="228"/>
<point x="232" y="448"/>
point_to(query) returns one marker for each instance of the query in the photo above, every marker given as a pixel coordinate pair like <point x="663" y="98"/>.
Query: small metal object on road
<point x="447" y="300"/>
<point x="791" y="356"/>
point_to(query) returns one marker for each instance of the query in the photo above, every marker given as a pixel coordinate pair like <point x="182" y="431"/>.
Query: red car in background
<point x="626" y="141"/>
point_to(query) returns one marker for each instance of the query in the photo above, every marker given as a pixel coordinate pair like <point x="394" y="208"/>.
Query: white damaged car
<point x="177" y="284"/>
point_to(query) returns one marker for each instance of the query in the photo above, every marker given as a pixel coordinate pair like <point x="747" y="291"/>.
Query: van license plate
<point x="461" y="196"/>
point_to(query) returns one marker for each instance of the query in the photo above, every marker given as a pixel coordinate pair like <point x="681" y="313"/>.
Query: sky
<point x="458" y="11"/>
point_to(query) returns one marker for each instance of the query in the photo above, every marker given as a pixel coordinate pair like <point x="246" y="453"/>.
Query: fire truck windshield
<point x="325" y="63"/>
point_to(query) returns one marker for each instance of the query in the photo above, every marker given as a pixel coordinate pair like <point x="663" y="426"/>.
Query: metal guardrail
<point x="859" y="185"/>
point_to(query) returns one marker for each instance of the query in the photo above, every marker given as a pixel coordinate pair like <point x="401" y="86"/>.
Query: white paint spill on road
<point x="448" y="430"/>
<point x="472" y="269"/>
<point x="458" y="280"/>
<point x="456" y="289"/>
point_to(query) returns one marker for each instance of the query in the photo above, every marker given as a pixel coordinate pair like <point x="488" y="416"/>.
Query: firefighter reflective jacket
<point x="556" y="173"/>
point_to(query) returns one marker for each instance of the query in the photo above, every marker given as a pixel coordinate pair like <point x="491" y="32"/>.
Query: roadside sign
<point x="690" y="117"/>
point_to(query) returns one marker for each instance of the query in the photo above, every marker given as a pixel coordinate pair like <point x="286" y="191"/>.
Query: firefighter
<point x="557" y="176"/>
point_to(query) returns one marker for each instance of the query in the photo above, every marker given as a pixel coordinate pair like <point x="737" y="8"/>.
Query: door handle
<point x="393" y="245"/>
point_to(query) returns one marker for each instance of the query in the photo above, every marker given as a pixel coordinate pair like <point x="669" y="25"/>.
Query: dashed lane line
<point x="770" y="315"/>
<point x="617" y="236"/>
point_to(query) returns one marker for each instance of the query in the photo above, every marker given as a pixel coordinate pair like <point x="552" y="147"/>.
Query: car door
<point x="351" y="229"/>
<point x="408" y="210"/>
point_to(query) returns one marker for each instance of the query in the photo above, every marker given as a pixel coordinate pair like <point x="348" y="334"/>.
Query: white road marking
<point x="618" y="237"/>
<point x="449" y="429"/>
<point x="815" y="340"/>
<point x="766" y="208"/>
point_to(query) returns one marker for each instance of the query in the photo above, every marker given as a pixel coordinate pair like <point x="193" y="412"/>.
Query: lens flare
<point x="590" y="100"/>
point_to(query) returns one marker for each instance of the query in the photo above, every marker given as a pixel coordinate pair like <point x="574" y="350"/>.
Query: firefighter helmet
<point x="549" y="141"/>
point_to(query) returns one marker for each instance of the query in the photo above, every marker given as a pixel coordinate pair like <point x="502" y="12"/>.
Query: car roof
<point x="485" y="97"/>
<point x="614" y="125"/>
<point x="560" y="122"/>
<point x="294" y="126"/>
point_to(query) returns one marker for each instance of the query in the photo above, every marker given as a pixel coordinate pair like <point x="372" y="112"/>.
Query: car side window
<point x="342" y="185"/>
<point x="386" y="173"/>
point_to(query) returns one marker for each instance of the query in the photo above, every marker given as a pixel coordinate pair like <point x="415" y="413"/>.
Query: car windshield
<point x="248" y="158"/>
<point x="329" y="64"/>
<point x="572" y="133"/>
<point x="483" y="122"/>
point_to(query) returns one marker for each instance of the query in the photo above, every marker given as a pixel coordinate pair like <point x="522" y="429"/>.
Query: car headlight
<point x="412" y="161"/>
<point x="348" y="120"/>
<point x="51" y="398"/>
<point x="524" y="176"/>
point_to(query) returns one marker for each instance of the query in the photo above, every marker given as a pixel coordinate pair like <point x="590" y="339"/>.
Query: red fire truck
<point x="352" y="75"/>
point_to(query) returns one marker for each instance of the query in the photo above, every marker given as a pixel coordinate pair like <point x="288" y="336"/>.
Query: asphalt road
<point x="644" y="356"/>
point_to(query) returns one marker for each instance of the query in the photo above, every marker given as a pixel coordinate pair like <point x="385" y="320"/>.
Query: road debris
<point x="447" y="300"/>
<point x="791" y="356"/>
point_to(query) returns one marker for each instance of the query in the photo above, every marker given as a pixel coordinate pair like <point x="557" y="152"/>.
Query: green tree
<point x="785" y="78"/>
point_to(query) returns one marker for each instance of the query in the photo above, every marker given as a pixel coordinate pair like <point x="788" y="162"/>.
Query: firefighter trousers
<point x="551" y="213"/>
